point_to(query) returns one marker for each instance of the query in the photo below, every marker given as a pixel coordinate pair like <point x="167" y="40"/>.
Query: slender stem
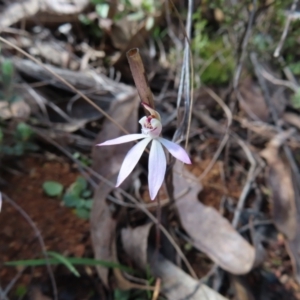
<point x="139" y="76"/>
<point x="158" y="216"/>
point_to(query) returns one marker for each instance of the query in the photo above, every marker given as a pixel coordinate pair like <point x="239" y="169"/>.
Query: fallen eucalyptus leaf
<point x="280" y="182"/>
<point x="210" y="232"/>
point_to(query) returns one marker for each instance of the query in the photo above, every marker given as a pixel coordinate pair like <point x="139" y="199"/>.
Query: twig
<point x="158" y="216"/>
<point x="185" y="77"/>
<point x="289" y="84"/>
<point x="156" y="289"/>
<point x="40" y="239"/>
<point x="286" y="28"/>
<point x="247" y="186"/>
<point x="244" y="46"/>
<point x="13" y="282"/>
<point x="3" y="294"/>
<point x="226" y="136"/>
<point x="189" y="88"/>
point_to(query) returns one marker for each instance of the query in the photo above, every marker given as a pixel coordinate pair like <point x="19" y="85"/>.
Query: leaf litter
<point x="198" y="217"/>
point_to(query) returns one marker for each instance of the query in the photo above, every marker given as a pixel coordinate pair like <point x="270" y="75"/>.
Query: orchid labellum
<point x="151" y="129"/>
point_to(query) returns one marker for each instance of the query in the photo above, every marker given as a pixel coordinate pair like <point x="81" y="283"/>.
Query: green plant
<point x="121" y="295"/>
<point x="20" y="142"/>
<point x="52" y="188"/>
<point x="7" y="80"/>
<point x="78" y="196"/>
<point x="84" y="159"/>
<point x="56" y="258"/>
<point x="213" y="61"/>
<point x="21" y="291"/>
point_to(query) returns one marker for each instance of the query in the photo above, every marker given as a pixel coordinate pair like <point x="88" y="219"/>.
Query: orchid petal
<point x="131" y="159"/>
<point x="176" y="150"/>
<point x="157" y="168"/>
<point x="124" y="139"/>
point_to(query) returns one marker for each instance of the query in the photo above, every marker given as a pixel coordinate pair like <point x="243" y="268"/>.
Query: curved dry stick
<point x="247" y="186"/>
<point x="40" y="239"/>
<point x="286" y="28"/>
<point x="226" y="136"/>
<point x="244" y="46"/>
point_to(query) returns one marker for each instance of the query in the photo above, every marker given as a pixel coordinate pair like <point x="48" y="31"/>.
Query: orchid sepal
<point x="151" y="130"/>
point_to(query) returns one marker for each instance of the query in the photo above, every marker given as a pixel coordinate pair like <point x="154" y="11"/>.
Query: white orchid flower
<point x="151" y="129"/>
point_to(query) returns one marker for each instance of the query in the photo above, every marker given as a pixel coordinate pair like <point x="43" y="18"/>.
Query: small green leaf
<point x="82" y="213"/>
<point x="71" y="200"/>
<point x="88" y="204"/>
<point x="1" y="135"/>
<point x="102" y="10"/>
<point x="84" y="19"/>
<point x="21" y="291"/>
<point x="7" y="70"/>
<point x="149" y="23"/>
<point x="23" y="131"/>
<point x="86" y="193"/>
<point x="77" y="187"/>
<point x="65" y="261"/>
<point x="81" y="182"/>
<point x="52" y="188"/>
<point x="137" y="16"/>
<point x="72" y="260"/>
<point x="97" y="1"/>
<point x="121" y="295"/>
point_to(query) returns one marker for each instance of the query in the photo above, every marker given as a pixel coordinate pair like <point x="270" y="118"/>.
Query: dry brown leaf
<point x="103" y="227"/>
<point x="280" y="182"/>
<point x="107" y="162"/>
<point x="253" y="102"/>
<point x="18" y="11"/>
<point x="135" y="243"/>
<point x="285" y="214"/>
<point x="175" y="283"/>
<point x="210" y="232"/>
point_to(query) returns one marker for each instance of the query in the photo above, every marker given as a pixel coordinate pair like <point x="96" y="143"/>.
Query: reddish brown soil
<point x="60" y="228"/>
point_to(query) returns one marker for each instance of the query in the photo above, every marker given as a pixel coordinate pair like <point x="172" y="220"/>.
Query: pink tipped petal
<point x="131" y="159"/>
<point x="157" y="168"/>
<point x="176" y="150"/>
<point x="124" y="139"/>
